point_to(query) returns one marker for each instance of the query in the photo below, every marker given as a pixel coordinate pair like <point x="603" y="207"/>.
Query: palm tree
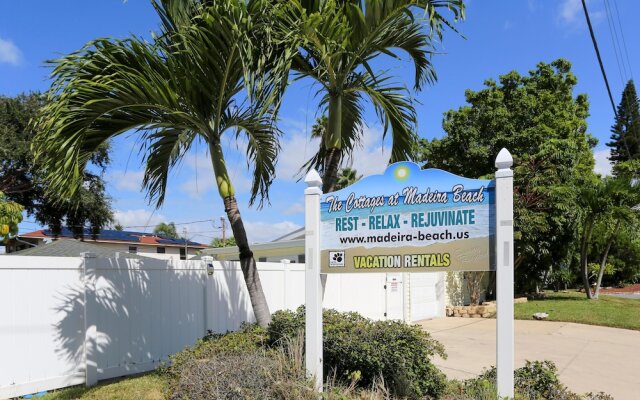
<point x="613" y="202"/>
<point x="214" y="69"/>
<point x="166" y="230"/>
<point x="339" y="40"/>
<point x="348" y="176"/>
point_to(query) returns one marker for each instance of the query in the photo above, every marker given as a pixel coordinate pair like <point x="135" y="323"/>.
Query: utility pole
<point x="224" y="231"/>
<point x="186" y="249"/>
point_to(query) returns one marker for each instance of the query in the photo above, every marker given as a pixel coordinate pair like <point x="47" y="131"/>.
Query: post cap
<point x="504" y="159"/>
<point x="313" y="179"/>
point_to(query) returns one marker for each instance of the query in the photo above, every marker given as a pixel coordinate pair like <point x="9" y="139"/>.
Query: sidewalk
<point x="589" y="358"/>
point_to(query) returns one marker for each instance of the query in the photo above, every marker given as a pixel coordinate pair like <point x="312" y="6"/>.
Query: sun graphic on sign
<point x="401" y="173"/>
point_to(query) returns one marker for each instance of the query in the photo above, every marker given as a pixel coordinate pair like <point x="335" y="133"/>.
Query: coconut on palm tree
<point x="339" y="39"/>
<point x="215" y="69"/>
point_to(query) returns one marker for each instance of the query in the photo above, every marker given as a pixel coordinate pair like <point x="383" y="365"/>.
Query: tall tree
<point x="339" y="41"/>
<point x="22" y="180"/>
<point x="625" y="133"/>
<point x="214" y="69"/>
<point x="543" y="125"/>
<point x="167" y="230"/>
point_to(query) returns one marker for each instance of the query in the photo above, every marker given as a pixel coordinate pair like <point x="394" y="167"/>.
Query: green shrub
<point x="537" y="380"/>
<point x="357" y="348"/>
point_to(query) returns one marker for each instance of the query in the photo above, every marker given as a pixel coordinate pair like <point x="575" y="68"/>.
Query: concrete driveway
<point x="589" y="358"/>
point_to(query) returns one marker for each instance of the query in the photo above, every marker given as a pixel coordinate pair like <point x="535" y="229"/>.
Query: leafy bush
<point x="358" y="349"/>
<point x="537" y="380"/>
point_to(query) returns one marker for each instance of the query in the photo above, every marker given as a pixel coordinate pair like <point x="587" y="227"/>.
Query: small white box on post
<point x="207" y="284"/>
<point x="504" y="274"/>
<point x="313" y="284"/>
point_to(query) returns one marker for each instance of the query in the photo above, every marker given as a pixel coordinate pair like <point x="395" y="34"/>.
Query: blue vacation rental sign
<point x="409" y="220"/>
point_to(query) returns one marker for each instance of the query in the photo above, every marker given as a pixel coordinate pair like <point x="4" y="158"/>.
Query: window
<point x="183" y="253"/>
<point x="262" y="259"/>
<point x="301" y="258"/>
<point x="160" y="250"/>
<point x="133" y="250"/>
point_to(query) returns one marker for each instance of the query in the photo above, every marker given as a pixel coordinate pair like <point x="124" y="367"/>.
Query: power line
<point x="624" y="42"/>
<point x="617" y="49"/>
<point x="595" y="46"/>
<point x="175" y="223"/>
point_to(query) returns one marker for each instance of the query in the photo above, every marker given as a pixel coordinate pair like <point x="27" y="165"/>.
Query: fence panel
<point x="66" y="321"/>
<point x="35" y="295"/>
<point x="145" y="311"/>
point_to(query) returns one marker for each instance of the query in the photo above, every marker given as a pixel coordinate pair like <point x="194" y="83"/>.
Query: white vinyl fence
<point x="67" y="321"/>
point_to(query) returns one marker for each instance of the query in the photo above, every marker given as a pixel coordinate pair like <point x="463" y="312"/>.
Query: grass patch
<point x="144" y="387"/>
<point x="609" y="311"/>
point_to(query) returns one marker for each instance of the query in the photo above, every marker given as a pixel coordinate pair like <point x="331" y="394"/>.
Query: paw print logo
<point x="336" y="259"/>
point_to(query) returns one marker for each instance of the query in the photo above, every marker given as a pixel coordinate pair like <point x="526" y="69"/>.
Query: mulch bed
<point x="627" y="289"/>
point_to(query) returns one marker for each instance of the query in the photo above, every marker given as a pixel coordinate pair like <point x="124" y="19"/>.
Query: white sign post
<point x="443" y="227"/>
<point x="504" y="273"/>
<point x="313" y="284"/>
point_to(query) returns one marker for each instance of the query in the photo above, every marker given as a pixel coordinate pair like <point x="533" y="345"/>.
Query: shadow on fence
<point x="143" y="310"/>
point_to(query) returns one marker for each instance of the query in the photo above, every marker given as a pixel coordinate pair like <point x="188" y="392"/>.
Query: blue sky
<point x="499" y="36"/>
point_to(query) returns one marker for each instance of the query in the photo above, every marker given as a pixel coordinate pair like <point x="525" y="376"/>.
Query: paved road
<point x="589" y="358"/>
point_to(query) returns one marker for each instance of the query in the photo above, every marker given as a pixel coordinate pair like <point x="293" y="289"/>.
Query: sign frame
<point x="503" y="254"/>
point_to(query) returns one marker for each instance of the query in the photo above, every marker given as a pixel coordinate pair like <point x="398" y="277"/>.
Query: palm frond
<point x="190" y="82"/>
<point x="263" y="146"/>
<point x="395" y="110"/>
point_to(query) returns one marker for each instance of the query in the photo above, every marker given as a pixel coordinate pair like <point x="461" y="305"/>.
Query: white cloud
<point x="571" y="13"/>
<point x="370" y="157"/>
<point x="295" y="208"/>
<point x="197" y="186"/>
<point x="297" y="148"/>
<point x="9" y="52"/>
<point x="138" y="218"/>
<point x="569" y="10"/>
<point x="128" y="181"/>
<point x="260" y="232"/>
<point x="603" y="165"/>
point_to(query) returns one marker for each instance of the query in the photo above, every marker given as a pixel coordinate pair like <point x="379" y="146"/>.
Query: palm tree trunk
<point x="584" y="253"/>
<point x="333" y="144"/>
<point x="330" y="178"/>
<point x="603" y="261"/>
<point x="247" y="262"/>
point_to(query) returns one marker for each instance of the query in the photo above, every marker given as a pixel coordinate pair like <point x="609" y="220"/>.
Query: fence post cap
<point x="312" y="179"/>
<point x="504" y="160"/>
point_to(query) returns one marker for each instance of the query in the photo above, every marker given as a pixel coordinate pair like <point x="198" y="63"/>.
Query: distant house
<point x="112" y="241"/>
<point x="70" y="248"/>
<point x="288" y="247"/>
